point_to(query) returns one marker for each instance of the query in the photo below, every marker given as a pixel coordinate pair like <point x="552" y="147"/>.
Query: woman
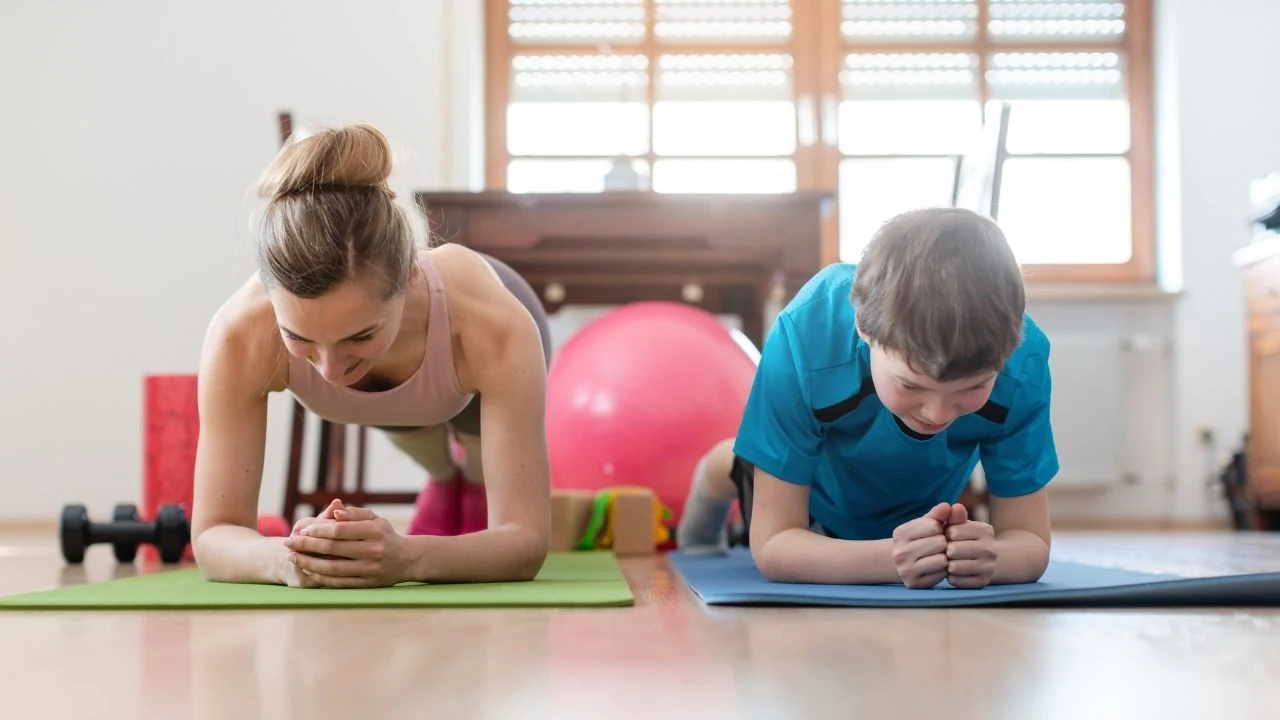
<point x="364" y="327"/>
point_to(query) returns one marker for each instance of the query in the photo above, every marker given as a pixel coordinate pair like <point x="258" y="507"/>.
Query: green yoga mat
<point x="573" y="579"/>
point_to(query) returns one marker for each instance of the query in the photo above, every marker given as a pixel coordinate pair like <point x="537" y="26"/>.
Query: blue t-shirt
<point x="813" y="418"/>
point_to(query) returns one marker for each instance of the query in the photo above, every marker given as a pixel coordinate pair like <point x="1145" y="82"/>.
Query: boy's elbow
<point x="766" y="557"/>
<point x="1041" y="563"/>
<point x="1034" y="565"/>
<point x="1026" y="557"/>
<point x="1033" y="571"/>
<point x="771" y="572"/>
<point x="1039" y="556"/>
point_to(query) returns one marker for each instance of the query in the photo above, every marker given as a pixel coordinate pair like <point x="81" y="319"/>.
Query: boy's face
<point x="922" y="403"/>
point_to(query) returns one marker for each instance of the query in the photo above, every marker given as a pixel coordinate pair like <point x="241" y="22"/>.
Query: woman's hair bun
<point x="355" y="155"/>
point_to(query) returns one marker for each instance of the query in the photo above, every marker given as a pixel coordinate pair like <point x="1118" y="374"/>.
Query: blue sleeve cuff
<point x="1026" y="459"/>
<point x="782" y="463"/>
<point x="778" y="432"/>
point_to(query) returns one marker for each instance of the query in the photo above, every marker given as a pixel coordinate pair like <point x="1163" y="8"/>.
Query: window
<point x="595" y="99"/>
<point x="1035" y="111"/>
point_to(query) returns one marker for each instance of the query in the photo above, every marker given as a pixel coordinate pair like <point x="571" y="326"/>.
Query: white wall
<point x="132" y="132"/>
<point x="134" y="129"/>
<point x="1225" y="57"/>
<point x="1113" y="411"/>
<point x="1217" y="113"/>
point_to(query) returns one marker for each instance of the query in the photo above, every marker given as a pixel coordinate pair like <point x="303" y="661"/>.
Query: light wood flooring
<point x="668" y="657"/>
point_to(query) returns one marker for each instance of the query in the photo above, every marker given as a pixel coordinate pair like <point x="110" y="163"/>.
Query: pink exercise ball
<point x="638" y="395"/>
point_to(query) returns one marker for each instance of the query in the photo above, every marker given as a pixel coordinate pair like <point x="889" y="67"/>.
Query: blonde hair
<point x="941" y="288"/>
<point x="331" y="216"/>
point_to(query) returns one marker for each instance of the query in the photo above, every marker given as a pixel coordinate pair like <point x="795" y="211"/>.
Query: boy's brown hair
<point x="941" y="288"/>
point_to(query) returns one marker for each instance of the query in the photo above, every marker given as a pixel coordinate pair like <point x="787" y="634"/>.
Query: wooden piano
<point x="728" y="254"/>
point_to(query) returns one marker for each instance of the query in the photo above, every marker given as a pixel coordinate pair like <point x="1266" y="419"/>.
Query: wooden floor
<point x="668" y="657"/>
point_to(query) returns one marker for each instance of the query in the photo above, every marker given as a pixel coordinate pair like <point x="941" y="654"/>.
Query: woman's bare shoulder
<point x="490" y="321"/>
<point x="473" y="288"/>
<point x="469" y="279"/>
<point x="242" y="343"/>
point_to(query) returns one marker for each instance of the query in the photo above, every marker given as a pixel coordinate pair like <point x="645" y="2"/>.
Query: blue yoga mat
<point x="733" y="579"/>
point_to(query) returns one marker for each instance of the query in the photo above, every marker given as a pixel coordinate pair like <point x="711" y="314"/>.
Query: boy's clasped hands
<point x="945" y="544"/>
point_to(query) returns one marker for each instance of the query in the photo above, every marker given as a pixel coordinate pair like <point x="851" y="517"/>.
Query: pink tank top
<point x="431" y="396"/>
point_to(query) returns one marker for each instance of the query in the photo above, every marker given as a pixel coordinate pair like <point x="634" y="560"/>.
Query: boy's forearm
<point x="802" y="556"/>
<point x="1021" y="557"/>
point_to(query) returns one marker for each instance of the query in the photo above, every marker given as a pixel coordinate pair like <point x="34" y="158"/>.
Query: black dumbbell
<point x="169" y="532"/>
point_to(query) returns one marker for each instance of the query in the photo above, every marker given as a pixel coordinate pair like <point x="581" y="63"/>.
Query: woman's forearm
<point x="1021" y="557"/>
<point x="503" y="554"/>
<point x="802" y="556"/>
<point x="231" y="553"/>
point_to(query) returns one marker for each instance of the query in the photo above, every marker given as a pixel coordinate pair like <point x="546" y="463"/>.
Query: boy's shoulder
<point x="821" y="317"/>
<point x="1029" y="362"/>
<point x="832" y="282"/>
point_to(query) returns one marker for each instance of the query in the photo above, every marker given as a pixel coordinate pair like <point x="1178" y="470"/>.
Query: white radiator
<point x="1111" y="408"/>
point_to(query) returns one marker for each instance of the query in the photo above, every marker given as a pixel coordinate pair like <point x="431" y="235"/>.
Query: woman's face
<point x="342" y="333"/>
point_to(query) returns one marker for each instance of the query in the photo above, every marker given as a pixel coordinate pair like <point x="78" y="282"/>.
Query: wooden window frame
<point x="816" y="90"/>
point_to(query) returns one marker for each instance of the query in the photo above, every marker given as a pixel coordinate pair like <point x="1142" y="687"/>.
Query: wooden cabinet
<point x="724" y="253"/>
<point x="1261" y="266"/>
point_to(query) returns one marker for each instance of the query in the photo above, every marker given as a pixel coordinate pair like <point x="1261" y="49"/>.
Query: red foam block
<point x="171" y="433"/>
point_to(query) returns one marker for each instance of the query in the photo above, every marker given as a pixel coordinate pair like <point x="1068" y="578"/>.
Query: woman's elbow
<point x="206" y="533"/>
<point x="209" y="543"/>
<point x="527" y="565"/>
<point x="204" y="550"/>
<point x="530" y="555"/>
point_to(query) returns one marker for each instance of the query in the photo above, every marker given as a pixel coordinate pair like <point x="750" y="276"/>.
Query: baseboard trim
<point x="29" y="527"/>
<point x="1141" y="525"/>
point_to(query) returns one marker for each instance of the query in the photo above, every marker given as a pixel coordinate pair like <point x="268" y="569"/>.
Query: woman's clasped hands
<point x="345" y="547"/>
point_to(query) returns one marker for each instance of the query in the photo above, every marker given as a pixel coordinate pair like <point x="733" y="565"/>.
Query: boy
<point x="880" y="388"/>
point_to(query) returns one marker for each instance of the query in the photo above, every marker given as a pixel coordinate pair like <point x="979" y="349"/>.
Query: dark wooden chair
<point x="331" y="479"/>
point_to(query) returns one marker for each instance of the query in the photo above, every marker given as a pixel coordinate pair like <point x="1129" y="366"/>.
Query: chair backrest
<point x="330" y="469"/>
